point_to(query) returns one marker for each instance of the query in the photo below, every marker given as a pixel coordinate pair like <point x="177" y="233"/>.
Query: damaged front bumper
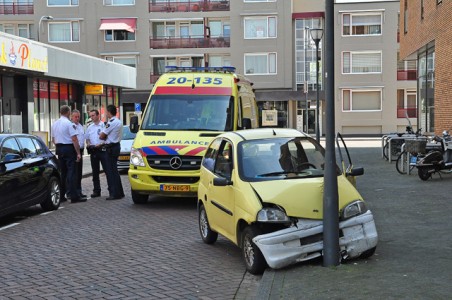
<point x="304" y="241"/>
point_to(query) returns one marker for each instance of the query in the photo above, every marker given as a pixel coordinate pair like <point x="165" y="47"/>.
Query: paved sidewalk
<point x="412" y="260"/>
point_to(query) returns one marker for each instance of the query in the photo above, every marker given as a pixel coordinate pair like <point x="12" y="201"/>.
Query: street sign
<point x="137" y="106"/>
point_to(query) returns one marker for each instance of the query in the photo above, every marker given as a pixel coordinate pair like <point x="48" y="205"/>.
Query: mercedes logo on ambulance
<point x="175" y="162"/>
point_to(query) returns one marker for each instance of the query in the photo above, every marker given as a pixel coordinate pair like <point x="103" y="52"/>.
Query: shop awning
<point x="129" y="24"/>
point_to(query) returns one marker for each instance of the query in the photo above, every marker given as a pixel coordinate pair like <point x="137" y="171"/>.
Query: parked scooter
<point x="437" y="161"/>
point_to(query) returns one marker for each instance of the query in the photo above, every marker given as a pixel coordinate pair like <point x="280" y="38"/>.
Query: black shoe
<point x="83" y="196"/>
<point x="95" y="195"/>
<point x="63" y="199"/>
<point x="77" y="200"/>
<point x="113" y="198"/>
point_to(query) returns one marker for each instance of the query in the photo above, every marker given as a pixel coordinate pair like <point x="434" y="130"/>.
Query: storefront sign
<point x="94" y="89"/>
<point x="22" y="54"/>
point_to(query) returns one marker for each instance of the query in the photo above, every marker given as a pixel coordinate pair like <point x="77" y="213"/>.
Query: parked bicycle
<point x="396" y="140"/>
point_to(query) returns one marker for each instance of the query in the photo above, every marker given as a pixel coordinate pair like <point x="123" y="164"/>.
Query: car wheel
<point x="254" y="260"/>
<point x="52" y="201"/>
<point x="423" y="173"/>
<point x="368" y="253"/>
<point x="208" y="235"/>
<point x="139" y="198"/>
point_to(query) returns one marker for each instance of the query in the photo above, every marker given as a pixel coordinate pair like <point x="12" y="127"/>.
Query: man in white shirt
<point x="75" y="118"/>
<point x="67" y="146"/>
<point x="112" y="135"/>
<point x="97" y="153"/>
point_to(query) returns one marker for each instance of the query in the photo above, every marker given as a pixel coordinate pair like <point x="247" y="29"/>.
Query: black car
<point x="29" y="174"/>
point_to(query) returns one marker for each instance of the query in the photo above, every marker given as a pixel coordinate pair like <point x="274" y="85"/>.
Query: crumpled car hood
<point x="303" y="198"/>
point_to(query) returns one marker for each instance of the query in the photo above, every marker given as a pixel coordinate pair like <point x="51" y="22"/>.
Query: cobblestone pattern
<point x="117" y="250"/>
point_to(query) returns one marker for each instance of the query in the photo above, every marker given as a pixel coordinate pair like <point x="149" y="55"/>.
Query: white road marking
<point x="8" y="226"/>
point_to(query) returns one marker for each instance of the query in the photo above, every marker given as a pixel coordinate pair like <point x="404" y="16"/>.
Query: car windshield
<point x="280" y="158"/>
<point x="188" y="112"/>
<point x="126" y="134"/>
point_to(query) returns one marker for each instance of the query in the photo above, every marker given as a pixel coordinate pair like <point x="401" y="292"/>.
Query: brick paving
<point x="117" y="250"/>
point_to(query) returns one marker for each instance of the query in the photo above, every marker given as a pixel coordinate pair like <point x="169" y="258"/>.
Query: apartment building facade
<point x="426" y="35"/>
<point x="375" y="93"/>
<point x="266" y="40"/>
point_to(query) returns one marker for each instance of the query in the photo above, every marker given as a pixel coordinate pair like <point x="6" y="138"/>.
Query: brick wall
<point x="435" y="26"/>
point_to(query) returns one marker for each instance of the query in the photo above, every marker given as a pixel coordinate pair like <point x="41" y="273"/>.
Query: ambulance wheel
<point x="139" y="198"/>
<point x="254" y="260"/>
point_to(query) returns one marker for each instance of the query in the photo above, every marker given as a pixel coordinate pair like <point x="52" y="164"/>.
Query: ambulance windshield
<point x="189" y="112"/>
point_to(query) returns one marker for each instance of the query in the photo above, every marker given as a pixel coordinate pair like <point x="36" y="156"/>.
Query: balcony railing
<point x="406" y="75"/>
<point x="16" y="9"/>
<point x="403" y="112"/>
<point x="188" y="6"/>
<point x="190" y="42"/>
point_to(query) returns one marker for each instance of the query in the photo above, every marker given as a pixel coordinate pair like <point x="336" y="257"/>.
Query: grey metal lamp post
<point x="316" y="35"/>
<point x="40" y="21"/>
<point x="306" y="34"/>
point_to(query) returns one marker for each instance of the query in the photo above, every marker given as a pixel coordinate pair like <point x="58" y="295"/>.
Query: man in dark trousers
<point x="75" y="118"/>
<point x="97" y="153"/>
<point x="64" y="137"/>
<point x="112" y="135"/>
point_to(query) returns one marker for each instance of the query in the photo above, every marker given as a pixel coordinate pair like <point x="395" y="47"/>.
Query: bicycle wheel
<point x="401" y="163"/>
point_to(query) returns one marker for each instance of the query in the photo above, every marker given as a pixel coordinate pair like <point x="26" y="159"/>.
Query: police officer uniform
<point x="79" y="165"/>
<point x="98" y="154"/>
<point x="62" y="132"/>
<point x="113" y="130"/>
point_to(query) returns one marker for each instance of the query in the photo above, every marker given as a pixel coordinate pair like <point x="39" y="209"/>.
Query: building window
<point x="22" y="30"/>
<point x="219" y="28"/>
<point x="64" y="32"/>
<point x="119" y="2"/>
<point x="260" y="27"/>
<point x="220" y="61"/>
<point x="130" y="61"/>
<point x="361" y="100"/>
<point x="119" y="35"/>
<point x="361" y="62"/>
<point x="260" y="63"/>
<point x="406" y="104"/>
<point x="405" y="16"/>
<point x="62" y="2"/>
<point x="361" y="24"/>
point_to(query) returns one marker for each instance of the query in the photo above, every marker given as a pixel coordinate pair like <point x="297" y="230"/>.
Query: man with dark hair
<point x="64" y="136"/>
<point x="98" y="155"/>
<point x="112" y="135"/>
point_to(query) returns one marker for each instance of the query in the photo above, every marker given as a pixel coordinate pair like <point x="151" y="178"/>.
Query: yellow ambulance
<point x="187" y="108"/>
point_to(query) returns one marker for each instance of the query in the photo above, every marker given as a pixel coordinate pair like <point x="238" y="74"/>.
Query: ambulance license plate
<point x="124" y="157"/>
<point x="174" y="188"/>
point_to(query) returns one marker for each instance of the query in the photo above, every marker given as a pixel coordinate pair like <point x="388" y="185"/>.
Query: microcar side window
<point x="223" y="165"/>
<point x="211" y="153"/>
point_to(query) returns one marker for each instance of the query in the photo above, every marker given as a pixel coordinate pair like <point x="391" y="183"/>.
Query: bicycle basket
<point x="417" y="146"/>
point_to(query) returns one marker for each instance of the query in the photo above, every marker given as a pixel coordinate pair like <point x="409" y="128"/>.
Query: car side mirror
<point x="246" y="123"/>
<point x="133" y="124"/>
<point x="11" y="157"/>
<point x="356" y="172"/>
<point x="221" y="181"/>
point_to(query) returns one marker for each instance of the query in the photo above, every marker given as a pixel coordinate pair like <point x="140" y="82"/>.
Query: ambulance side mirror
<point x="246" y="123"/>
<point x="134" y="124"/>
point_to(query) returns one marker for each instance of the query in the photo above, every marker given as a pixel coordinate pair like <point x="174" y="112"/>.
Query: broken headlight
<point x="355" y="208"/>
<point x="272" y="215"/>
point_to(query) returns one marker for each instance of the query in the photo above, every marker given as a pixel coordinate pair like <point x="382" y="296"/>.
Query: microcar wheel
<point x="52" y="201"/>
<point x="254" y="260"/>
<point x="208" y="235"/>
<point x="139" y="198"/>
<point x="423" y="173"/>
<point x="368" y="253"/>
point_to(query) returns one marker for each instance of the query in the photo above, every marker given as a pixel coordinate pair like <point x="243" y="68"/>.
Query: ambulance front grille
<point x="165" y="162"/>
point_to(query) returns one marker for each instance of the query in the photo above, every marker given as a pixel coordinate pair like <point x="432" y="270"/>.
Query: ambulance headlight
<point x="136" y="159"/>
